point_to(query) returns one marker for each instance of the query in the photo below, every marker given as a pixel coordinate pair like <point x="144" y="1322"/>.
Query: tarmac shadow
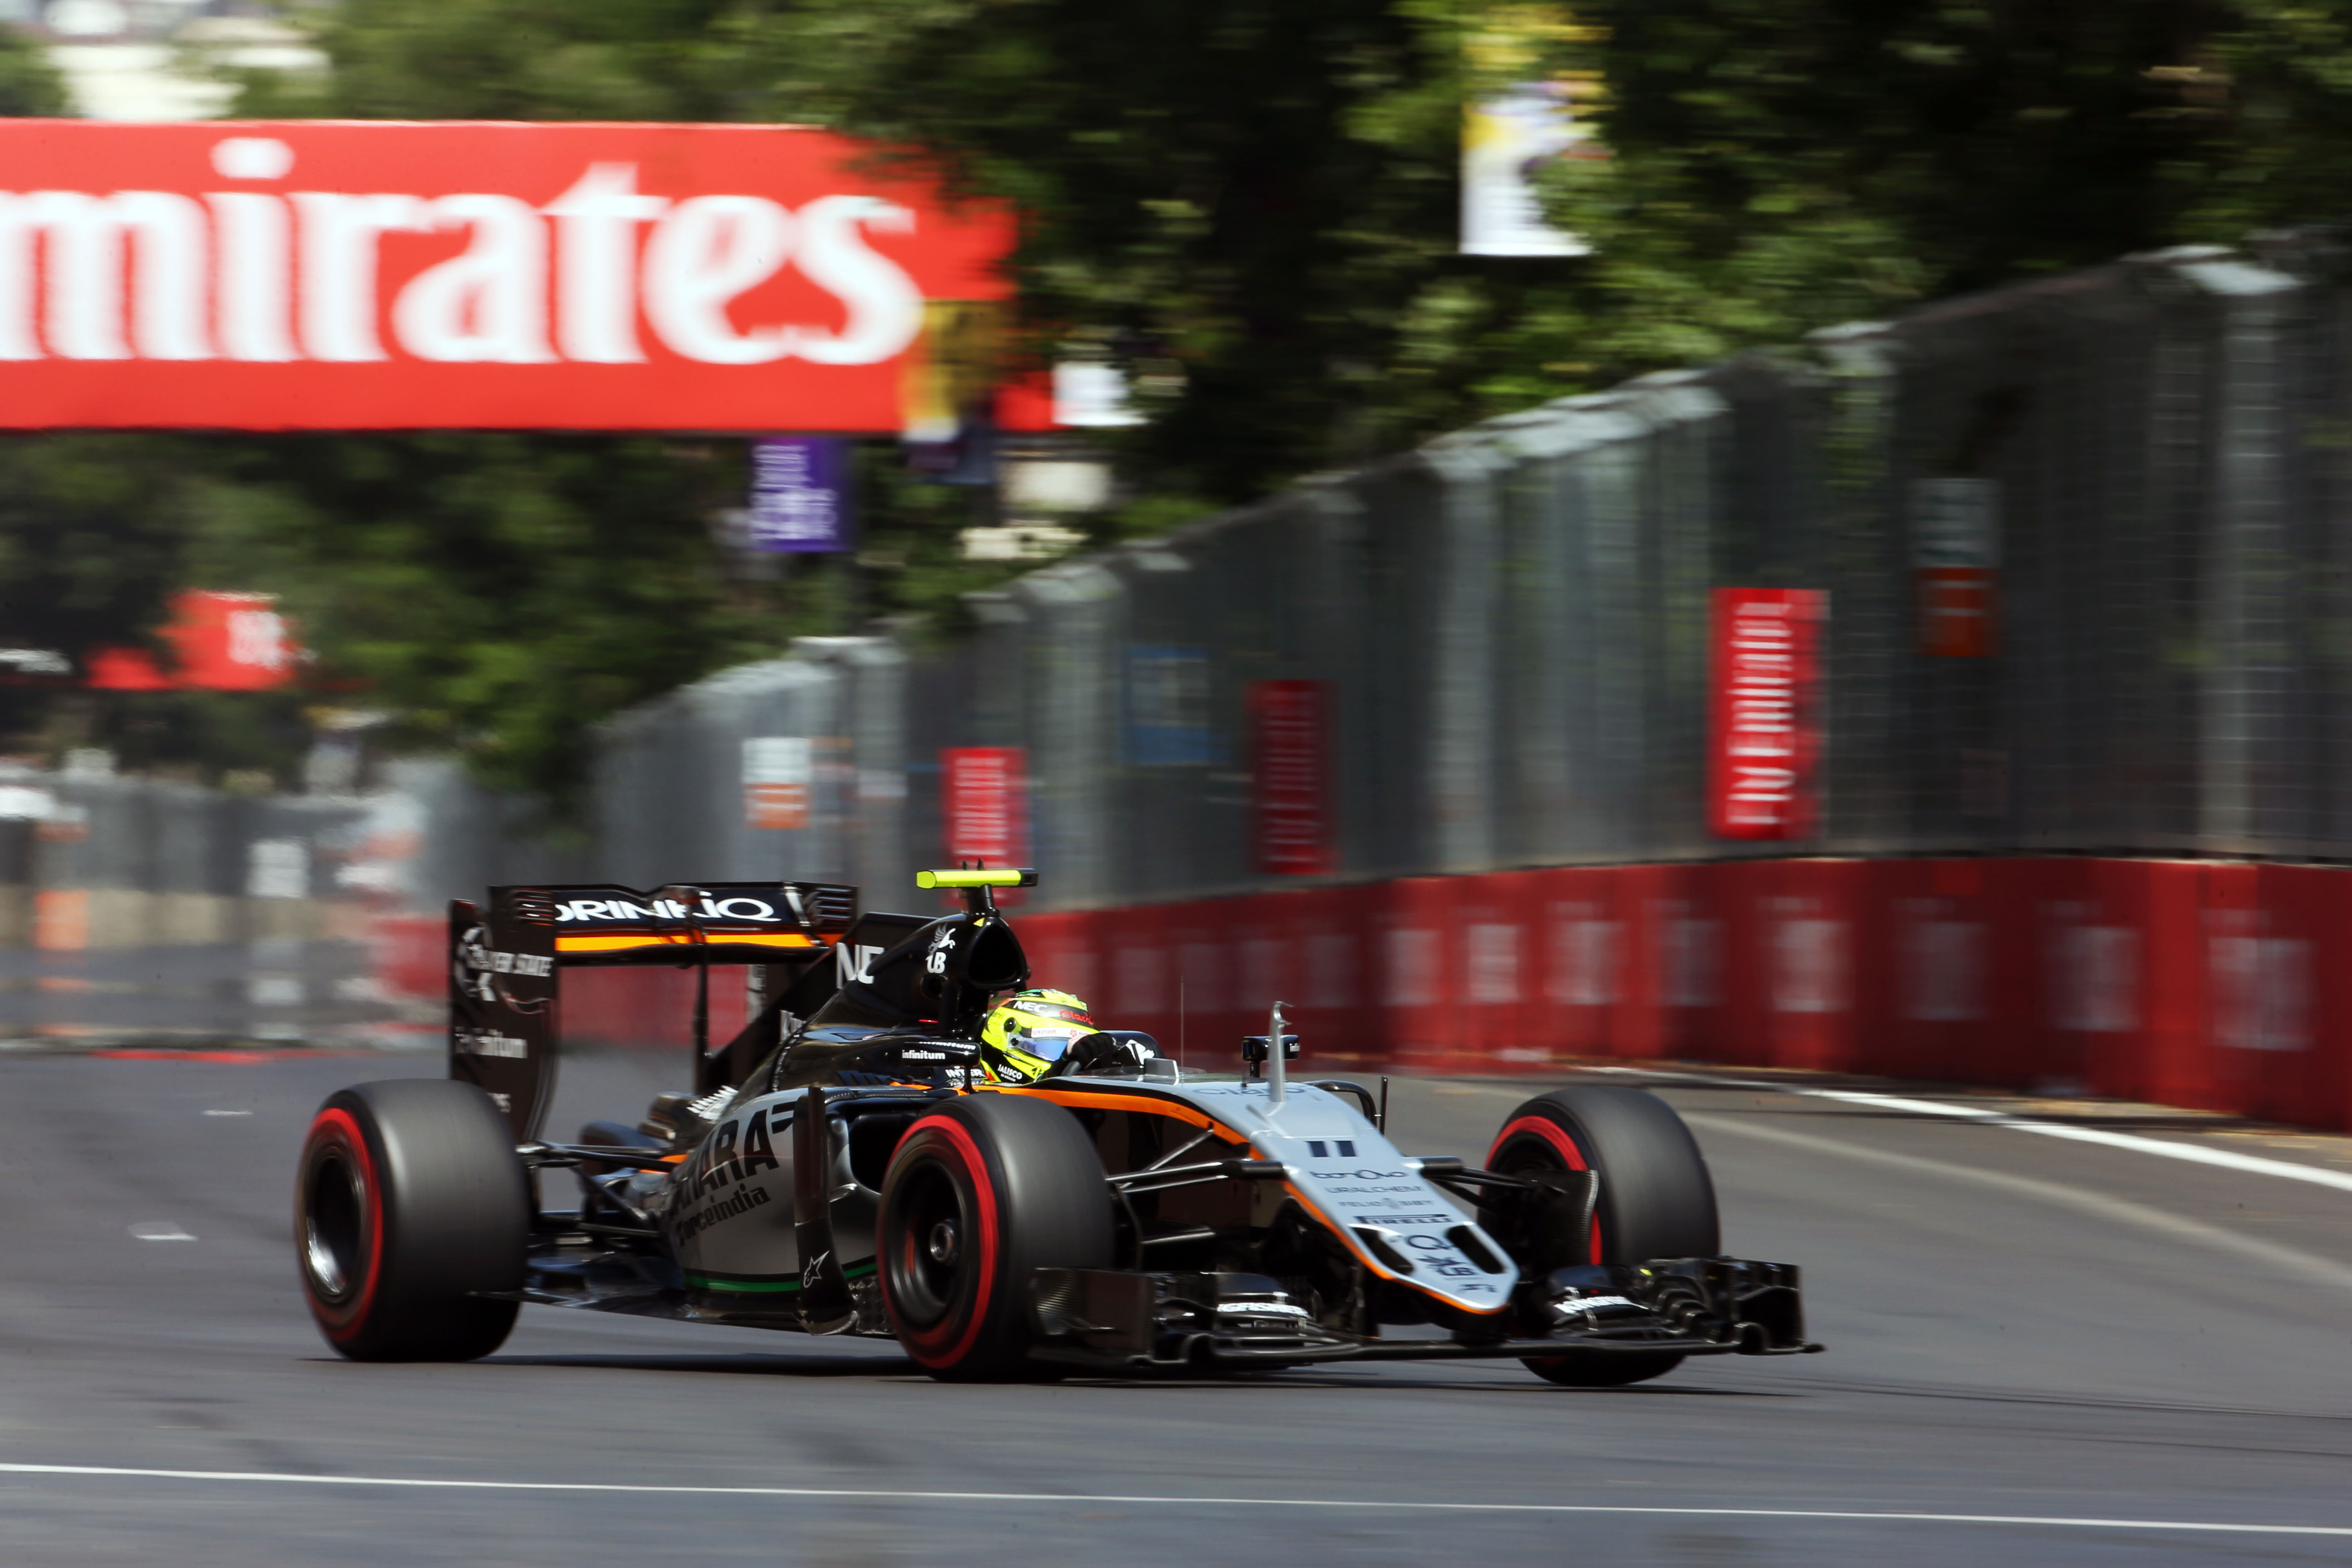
<point x="738" y="1365"/>
<point x="1326" y="1376"/>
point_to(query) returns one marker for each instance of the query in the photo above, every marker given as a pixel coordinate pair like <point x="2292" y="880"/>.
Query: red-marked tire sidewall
<point x="412" y="1220"/>
<point x="1019" y="1186"/>
<point x="337" y="1148"/>
<point x="940" y="1164"/>
<point x="1537" y="1139"/>
<point x="1656" y="1200"/>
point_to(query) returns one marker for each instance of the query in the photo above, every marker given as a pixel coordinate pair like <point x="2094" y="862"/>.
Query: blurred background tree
<point x="1254" y="203"/>
<point x="93" y="536"/>
<point x="1251" y="206"/>
<point x="1777" y="168"/>
<point x="29" y="84"/>
<point x="495" y="593"/>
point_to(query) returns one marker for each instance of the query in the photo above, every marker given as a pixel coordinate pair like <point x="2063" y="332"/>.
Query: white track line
<point x="2195" y="1153"/>
<point x="2306" y="1266"/>
<point x="1032" y="1499"/>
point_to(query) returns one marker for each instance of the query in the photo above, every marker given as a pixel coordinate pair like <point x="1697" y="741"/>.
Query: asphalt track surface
<point x="2037" y="1347"/>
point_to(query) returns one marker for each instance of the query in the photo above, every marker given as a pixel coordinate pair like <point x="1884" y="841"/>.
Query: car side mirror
<point x="1253" y="1050"/>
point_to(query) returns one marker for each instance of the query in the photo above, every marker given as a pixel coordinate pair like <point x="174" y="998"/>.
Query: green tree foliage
<point x="1264" y="190"/>
<point x="1776" y="168"/>
<point x="523" y="59"/>
<point x="497" y="593"/>
<point x="1260" y="194"/>
<point x="1253" y="201"/>
<point x="30" y="85"/>
<point x="92" y="532"/>
<point x="89" y="544"/>
<point x="2277" y="90"/>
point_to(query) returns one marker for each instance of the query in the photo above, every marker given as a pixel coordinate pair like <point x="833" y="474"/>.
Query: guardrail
<point x="2207" y="984"/>
<point x="2212" y="985"/>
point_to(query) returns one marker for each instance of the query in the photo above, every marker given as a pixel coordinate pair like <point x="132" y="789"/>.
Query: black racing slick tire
<point x="409" y="1200"/>
<point x="983" y="1191"/>
<point x="1657" y="1198"/>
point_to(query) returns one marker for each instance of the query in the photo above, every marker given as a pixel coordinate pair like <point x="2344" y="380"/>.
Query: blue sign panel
<point x="1167" y="705"/>
<point x="799" y="494"/>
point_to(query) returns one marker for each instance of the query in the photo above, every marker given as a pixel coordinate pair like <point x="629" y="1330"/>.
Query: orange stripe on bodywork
<point x="621" y="943"/>
<point x="1082" y="1100"/>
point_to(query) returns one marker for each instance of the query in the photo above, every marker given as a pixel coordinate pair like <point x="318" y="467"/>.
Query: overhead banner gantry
<point x="325" y="274"/>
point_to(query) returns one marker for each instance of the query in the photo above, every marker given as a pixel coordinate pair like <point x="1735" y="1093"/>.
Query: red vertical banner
<point x="1291" y="724"/>
<point x="1762" y="736"/>
<point x="983" y="804"/>
<point x="1956" y="560"/>
<point x="1956" y="612"/>
<point x="232" y="642"/>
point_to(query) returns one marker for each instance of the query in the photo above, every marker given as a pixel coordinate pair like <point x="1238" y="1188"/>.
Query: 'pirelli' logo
<point x="490" y="1043"/>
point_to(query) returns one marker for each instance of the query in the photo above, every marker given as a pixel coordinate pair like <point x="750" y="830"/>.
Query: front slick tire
<point x="409" y="1200"/>
<point x="982" y="1192"/>
<point x="1657" y="1199"/>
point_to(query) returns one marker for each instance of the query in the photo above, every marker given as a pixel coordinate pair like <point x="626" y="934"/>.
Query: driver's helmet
<point x="1027" y="1033"/>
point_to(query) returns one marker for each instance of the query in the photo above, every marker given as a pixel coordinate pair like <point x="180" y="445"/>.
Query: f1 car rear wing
<point x="717" y="923"/>
<point x="506" y="964"/>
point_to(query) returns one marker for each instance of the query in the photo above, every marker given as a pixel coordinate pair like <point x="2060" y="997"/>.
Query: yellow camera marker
<point x="1006" y="877"/>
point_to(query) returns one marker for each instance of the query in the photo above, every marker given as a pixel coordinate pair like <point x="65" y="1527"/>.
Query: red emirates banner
<point x="385" y="276"/>
<point x="1292" y="723"/>
<point x="984" y="802"/>
<point x="1763" y="737"/>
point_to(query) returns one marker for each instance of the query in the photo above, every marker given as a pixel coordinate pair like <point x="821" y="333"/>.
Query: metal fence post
<point x="2251" y="731"/>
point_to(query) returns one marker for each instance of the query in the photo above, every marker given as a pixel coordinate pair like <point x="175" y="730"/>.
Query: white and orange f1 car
<point x="842" y="1166"/>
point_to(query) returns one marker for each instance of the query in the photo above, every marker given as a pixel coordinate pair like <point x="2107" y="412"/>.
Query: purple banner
<point x="799" y="494"/>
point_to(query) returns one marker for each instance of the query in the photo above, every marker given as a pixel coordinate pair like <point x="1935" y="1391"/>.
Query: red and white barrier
<point x="2210" y="986"/>
<point x="2195" y="983"/>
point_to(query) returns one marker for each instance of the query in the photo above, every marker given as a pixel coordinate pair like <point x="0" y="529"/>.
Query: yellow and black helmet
<point x="1027" y="1033"/>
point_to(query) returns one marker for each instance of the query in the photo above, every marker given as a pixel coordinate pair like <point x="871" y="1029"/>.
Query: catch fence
<point x="1508" y="630"/>
<point x="138" y="912"/>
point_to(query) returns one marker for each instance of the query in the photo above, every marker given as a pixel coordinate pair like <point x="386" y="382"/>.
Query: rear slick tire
<point x="1656" y="1199"/>
<point x="409" y="1200"/>
<point x="982" y="1192"/>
